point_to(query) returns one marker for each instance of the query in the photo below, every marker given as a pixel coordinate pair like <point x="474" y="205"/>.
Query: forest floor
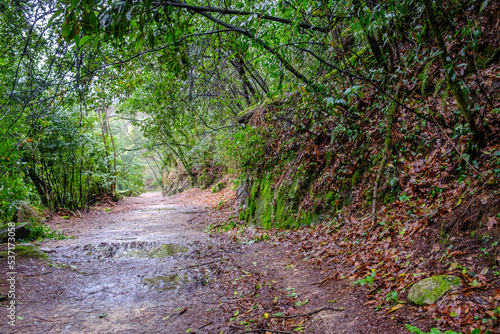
<point x="147" y="265"/>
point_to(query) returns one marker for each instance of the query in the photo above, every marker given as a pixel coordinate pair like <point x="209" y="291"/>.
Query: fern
<point x="438" y="87"/>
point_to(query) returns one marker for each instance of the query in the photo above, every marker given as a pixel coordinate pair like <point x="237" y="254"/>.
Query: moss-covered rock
<point x="175" y="181"/>
<point x="218" y="187"/>
<point x="127" y="192"/>
<point x="26" y="212"/>
<point x="429" y="290"/>
<point x="27" y="251"/>
<point x="14" y="230"/>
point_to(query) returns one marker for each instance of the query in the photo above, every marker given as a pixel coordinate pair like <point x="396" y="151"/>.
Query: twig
<point x="40" y="274"/>
<point x="308" y="314"/>
<point x="320" y="283"/>
<point x="35" y="316"/>
<point x="199" y="265"/>
<point x="375" y="289"/>
<point x="205" y="325"/>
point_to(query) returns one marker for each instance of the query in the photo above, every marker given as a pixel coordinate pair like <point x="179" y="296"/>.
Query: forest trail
<point x="146" y="266"/>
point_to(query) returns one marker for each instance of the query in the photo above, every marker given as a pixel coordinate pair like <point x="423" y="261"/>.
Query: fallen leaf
<point x="492" y="221"/>
<point x="395" y="308"/>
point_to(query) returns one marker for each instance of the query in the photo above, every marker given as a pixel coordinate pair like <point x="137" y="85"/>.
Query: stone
<point x="127" y="192"/>
<point x="29" y="250"/>
<point x="175" y="182"/>
<point x="242" y="193"/>
<point x="21" y="231"/>
<point x="429" y="290"/>
<point x="26" y="212"/>
<point x="218" y="187"/>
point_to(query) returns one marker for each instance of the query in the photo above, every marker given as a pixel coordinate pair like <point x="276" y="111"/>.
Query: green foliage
<point x="416" y="330"/>
<point x="67" y="160"/>
<point x="13" y="189"/>
<point x="246" y="147"/>
<point x="367" y="280"/>
<point x="40" y="231"/>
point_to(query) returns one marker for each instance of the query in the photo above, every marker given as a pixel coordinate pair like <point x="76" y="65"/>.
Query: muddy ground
<point x="147" y="265"/>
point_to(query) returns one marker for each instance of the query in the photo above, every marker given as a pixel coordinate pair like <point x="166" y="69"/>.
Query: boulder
<point x="127" y="192"/>
<point x="242" y="193"/>
<point x="21" y="231"/>
<point x="26" y="212"/>
<point x="218" y="187"/>
<point x="429" y="290"/>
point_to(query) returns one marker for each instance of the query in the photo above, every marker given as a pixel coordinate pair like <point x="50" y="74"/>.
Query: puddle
<point x="168" y="282"/>
<point x="157" y="208"/>
<point x="131" y="249"/>
<point x="192" y="212"/>
<point x="159" y="252"/>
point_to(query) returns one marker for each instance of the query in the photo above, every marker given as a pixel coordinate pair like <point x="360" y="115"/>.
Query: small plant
<point x="262" y="237"/>
<point x="39" y="231"/>
<point x="392" y="297"/>
<point x="368" y="279"/>
<point x="417" y="330"/>
<point x="404" y="198"/>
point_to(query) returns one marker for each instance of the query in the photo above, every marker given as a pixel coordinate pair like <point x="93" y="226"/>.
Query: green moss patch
<point x="429" y="290"/>
<point x="218" y="187"/>
<point x="27" y="251"/>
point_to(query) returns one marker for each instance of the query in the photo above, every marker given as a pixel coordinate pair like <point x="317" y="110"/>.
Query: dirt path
<point x="146" y="267"/>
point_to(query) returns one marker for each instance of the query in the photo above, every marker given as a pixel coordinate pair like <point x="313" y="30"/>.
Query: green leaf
<point x="483" y="5"/>
<point x="84" y="40"/>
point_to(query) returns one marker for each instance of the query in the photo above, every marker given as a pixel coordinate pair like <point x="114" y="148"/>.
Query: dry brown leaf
<point x="492" y="221"/>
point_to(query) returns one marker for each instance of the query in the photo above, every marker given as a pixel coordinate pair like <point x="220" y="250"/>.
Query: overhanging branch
<point x="210" y="9"/>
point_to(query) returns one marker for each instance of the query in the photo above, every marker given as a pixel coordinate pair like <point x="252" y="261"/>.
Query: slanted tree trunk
<point x="370" y="37"/>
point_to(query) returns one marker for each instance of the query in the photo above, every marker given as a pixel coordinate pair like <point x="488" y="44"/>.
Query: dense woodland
<point x="378" y="118"/>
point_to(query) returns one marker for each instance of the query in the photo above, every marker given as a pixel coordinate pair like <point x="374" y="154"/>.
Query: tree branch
<point x="210" y="9"/>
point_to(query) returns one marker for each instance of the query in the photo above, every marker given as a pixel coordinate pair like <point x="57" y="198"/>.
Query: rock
<point x="26" y="212"/>
<point x="175" y="181"/>
<point x="242" y="194"/>
<point x="29" y="250"/>
<point x="21" y="231"/>
<point x="429" y="290"/>
<point x="127" y="192"/>
<point x="218" y="187"/>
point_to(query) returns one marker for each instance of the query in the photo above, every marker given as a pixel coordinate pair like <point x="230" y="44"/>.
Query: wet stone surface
<point x="132" y="249"/>
<point x="126" y="265"/>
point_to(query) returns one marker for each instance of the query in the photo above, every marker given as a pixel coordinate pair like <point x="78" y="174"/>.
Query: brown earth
<point x="146" y="265"/>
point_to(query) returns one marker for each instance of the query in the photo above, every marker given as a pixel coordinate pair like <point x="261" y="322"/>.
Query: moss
<point x="218" y="187"/>
<point x="27" y="251"/>
<point x="357" y="177"/>
<point x="429" y="290"/>
<point x="277" y="207"/>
